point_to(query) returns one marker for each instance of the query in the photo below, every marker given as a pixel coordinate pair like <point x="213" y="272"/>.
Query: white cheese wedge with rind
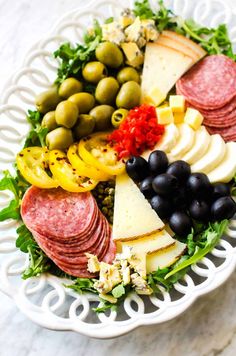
<point x="133" y="215"/>
<point x="200" y="147"/>
<point x="213" y="156"/>
<point x="165" y="258"/>
<point x="184" y="144"/>
<point x="226" y="170"/>
<point x="151" y="243"/>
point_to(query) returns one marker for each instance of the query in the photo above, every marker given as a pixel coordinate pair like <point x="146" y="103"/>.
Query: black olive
<point x="180" y="223"/>
<point x="180" y="199"/>
<point x="162" y="206"/>
<point x="146" y="187"/>
<point x="199" y="210"/>
<point x="158" y="162"/>
<point x="137" y="168"/>
<point x="180" y="169"/>
<point x="165" y="184"/>
<point x="220" y="190"/>
<point x="199" y="186"/>
<point x="223" y="208"/>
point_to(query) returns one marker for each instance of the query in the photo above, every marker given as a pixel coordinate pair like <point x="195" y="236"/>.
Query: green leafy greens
<point x="37" y="134"/>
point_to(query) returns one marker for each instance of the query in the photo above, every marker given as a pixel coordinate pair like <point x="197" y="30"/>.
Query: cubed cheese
<point x="133" y="215"/>
<point x="193" y="118"/>
<point x="149" y="30"/>
<point x="154" y="97"/>
<point x="133" y="54"/>
<point x="134" y="33"/>
<point x="127" y="18"/>
<point x="177" y="103"/>
<point x="178" y="117"/>
<point x="113" y="32"/>
<point x="165" y="116"/>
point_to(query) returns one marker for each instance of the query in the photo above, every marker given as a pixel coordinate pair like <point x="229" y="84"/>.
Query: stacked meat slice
<point x="66" y="226"/>
<point x="210" y="87"/>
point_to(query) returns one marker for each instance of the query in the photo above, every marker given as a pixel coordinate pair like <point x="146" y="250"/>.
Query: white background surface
<point x="207" y="329"/>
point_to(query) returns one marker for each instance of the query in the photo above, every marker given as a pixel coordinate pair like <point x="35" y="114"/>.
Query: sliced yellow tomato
<point x="32" y="163"/>
<point x="68" y="177"/>
<point x="96" y="151"/>
<point x="84" y="168"/>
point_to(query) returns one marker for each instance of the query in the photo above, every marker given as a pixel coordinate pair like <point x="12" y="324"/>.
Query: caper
<point x="84" y="101"/>
<point x="102" y="115"/>
<point x="47" y="100"/>
<point x="118" y="117"/>
<point x="129" y="95"/>
<point x="126" y="74"/>
<point x="109" y="54"/>
<point x="69" y="87"/>
<point x="94" y="71"/>
<point x="49" y="121"/>
<point x="107" y="90"/>
<point x="66" y="114"/>
<point x="60" y="138"/>
<point x="85" y="126"/>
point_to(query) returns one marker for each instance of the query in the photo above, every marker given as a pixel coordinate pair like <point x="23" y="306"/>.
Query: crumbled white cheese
<point x="113" y="32"/>
<point x="108" y="298"/>
<point x="93" y="263"/>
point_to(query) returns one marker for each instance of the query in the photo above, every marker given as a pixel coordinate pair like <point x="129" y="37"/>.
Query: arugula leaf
<point x="233" y="188"/>
<point x="17" y="186"/>
<point x="104" y="305"/>
<point x="37" y="134"/>
<point x="73" y="59"/>
<point x="211" y="237"/>
<point x="118" y="291"/>
<point x="83" y="285"/>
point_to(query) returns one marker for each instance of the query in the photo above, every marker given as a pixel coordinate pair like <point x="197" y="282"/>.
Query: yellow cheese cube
<point x="177" y="103"/>
<point x="133" y="54"/>
<point x="179" y="117"/>
<point x="193" y="118"/>
<point x="165" y="116"/>
<point x="154" y="97"/>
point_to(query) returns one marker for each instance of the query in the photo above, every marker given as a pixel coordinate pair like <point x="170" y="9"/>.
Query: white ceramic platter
<point x="44" y="300"/>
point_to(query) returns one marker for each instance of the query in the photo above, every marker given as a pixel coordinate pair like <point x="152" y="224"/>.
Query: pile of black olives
<point x="179" y="196"/>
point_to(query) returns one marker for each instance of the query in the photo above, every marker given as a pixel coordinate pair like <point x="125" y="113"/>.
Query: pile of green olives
<point x="70" y="112"/>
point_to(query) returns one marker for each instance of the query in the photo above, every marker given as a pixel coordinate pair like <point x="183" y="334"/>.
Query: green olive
<point x="47" y="100"/>
<point x="49" y="121"/>
<point x="118" y="117"/>
<point x="66" y="114"/>
<point x="84" y="101"/>
<point x="94" y="71"/>
<point x="69" y="87"/>
<point x="129" y="95"/>
<point x="84" y="126"/>
<point x="60" y="138"/>
<point x="107" y="90"/>
<point x="127" y="74"/>
<point x="109" y="54"/>
<point x="102" y="115"/>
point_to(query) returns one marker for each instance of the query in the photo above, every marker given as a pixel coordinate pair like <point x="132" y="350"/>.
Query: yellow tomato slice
<point x="32" y="163"/>
<point x="96" y="151"/>
<point x="68" y="177"/>
<point x="83" y="168"/>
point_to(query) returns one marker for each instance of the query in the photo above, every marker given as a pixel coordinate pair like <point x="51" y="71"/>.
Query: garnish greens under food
<point x="126" y="177"/>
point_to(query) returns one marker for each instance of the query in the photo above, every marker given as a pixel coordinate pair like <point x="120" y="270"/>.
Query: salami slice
<point x="228" y="134"/>
<point x="56" y="212"/>
<point x="217" y="113"/>
<point x="211" y="83"/>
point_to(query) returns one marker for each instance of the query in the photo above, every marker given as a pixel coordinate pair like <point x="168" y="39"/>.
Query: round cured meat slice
<point x="111" y="253"/>
<point x="228" y="134"/>
<point x="56" y="212"/>
<point x="217" y="113"/>
<point x="211" y="83"/>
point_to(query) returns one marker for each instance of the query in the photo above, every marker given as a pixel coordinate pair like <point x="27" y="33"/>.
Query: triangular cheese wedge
<point x="133" y="215"/>
<point x="164" y="258"/>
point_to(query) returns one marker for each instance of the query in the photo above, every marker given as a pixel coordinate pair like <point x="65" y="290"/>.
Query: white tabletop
<point x="207" y="328"/>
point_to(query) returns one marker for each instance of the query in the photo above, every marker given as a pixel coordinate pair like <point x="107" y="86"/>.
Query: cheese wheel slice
<point x="184" y="144"/>
<point x="213" y="156"/>
<point x="226" y="170"/>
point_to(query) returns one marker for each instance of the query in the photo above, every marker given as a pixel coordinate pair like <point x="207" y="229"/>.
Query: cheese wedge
<point x="149" y="244"/>
<point x="184" y="144"/>
<point x="213" y="156"/>
<point x="200" y="147"/>
<point x="165" y="258"/>
<point x="226" y="170"/>
<point x="167" y="142"/>
<point x="187" y="43"/>
<point x="133" y="215"/>
<point x="163" y="66"/>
